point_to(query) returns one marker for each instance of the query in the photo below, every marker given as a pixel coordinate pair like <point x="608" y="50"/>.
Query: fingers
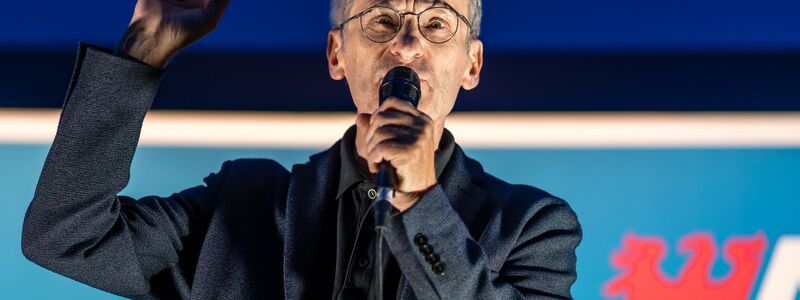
<point x="394" y="149"/>
<point x="399" y="133"/>
<point x="362" y="123"/>
<point x="390" y="117"/>
<point x="400" y="105"/>
<point x="216" y="8"/>
<point x="394" y="132"/>
<point x="396" y="111"/>
<point x="189" y="3"/>
<point x="395" y="118"/>
<point x="362" y="120"/>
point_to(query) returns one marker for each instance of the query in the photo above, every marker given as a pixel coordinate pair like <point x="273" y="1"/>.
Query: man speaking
<point x="258" y="231"/>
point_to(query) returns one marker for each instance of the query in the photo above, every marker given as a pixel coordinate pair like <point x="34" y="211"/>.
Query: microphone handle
<point x="386" y="180"/>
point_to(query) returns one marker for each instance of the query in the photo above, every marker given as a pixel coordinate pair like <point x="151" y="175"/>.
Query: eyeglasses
<point x="381" y="24"/>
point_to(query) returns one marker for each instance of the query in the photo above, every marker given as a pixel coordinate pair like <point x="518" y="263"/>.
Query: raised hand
<point x="161" y="28"/>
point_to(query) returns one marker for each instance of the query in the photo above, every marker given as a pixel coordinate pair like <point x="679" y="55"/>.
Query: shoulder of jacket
<point x="521" y="197"/>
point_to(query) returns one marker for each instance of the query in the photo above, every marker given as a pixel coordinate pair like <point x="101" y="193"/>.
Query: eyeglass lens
<point x="381" y="24"/>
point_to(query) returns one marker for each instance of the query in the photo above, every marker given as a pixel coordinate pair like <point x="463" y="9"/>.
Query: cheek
<point x="448" y="83"/>
<point x="360" y="71"/>
<point x="452" y="68"/>
<point x="448" y="79"/>
<point x="438" y="102"/>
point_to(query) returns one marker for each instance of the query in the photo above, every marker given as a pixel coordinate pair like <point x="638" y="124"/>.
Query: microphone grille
<point x="401" y="82"/>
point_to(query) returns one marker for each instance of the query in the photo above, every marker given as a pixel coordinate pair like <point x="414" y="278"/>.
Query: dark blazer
<point x="253" y="231"/>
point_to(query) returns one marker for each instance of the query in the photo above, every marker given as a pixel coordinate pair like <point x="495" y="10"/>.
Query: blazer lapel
<point x="458" y="181"/>
<point x="310" y="194"/>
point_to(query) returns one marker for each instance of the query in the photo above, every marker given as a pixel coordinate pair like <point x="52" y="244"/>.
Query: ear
<point x="473" y="74"/>
<point x="335" y="64"/>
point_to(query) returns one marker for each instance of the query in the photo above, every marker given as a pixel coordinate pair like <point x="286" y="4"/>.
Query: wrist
<point x="137" y="45"/>
<point x="405" y="200"/>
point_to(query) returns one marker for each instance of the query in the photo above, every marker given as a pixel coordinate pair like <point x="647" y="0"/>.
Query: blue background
<point x="664" y="192"/>
<point x="509" y="26"/>
<point x="543" y="55"/>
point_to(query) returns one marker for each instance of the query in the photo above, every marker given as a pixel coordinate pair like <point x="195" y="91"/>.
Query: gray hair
<point x="340" y="8"/>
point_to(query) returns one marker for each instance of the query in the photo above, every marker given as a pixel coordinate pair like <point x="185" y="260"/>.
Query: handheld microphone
<point x="401" y="83"/>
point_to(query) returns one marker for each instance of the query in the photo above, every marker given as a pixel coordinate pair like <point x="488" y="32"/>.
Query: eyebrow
<point x="390" y="2"/>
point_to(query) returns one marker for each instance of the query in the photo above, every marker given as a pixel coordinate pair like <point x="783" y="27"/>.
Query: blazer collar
<point x="462" y="182"/>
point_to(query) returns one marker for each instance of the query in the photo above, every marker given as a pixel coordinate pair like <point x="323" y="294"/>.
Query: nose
<point x="407" y="45"/>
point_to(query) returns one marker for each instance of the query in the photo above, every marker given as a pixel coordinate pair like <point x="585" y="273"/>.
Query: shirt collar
<point x="354" y="168"/>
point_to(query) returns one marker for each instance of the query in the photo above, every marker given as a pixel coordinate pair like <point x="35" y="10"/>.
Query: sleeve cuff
<point x="100" y="68"/>
<point x="430" y="241"/>
<point x="431" y="215"/>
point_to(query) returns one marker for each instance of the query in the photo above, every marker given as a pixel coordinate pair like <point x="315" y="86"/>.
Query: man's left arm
<point x="440" y="258"/>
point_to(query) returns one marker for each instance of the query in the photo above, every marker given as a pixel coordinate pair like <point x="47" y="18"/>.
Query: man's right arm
<point x="76" y="225"/>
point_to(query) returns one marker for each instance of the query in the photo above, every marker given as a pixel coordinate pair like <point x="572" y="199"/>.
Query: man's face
<point x="442" y="68"/>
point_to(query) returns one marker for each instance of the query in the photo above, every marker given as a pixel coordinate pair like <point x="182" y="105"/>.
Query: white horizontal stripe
<point x="569" y="130"/>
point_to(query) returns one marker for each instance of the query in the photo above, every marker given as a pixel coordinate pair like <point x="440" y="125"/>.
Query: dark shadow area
<point x="525" y="82"/>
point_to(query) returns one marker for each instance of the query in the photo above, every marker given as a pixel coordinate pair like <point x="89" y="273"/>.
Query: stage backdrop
<point x="670" y="221"/>
<point x="701" y="211"/>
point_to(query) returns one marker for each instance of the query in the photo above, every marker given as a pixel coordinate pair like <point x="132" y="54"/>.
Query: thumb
<point x="362" y="122"/>
<point x="362" y="126"/>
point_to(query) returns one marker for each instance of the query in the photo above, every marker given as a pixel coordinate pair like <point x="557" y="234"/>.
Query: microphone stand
<point x="386" y="181"/>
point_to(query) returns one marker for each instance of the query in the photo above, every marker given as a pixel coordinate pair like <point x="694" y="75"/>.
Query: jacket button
<point x="438" y="268"/>
<point x="426" y="249"/>
<point x="363" y="262"/>
<point x="420" y="239"/>
<point x="432" y="258"/>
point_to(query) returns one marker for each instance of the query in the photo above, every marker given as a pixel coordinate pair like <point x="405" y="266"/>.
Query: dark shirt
<point x="354" y="226"/>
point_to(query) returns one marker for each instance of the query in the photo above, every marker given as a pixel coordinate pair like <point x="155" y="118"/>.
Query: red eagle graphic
<point x="641" y="277"/>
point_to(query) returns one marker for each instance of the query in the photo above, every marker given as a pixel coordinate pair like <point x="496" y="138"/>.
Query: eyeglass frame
<point x="403" y="17"/>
